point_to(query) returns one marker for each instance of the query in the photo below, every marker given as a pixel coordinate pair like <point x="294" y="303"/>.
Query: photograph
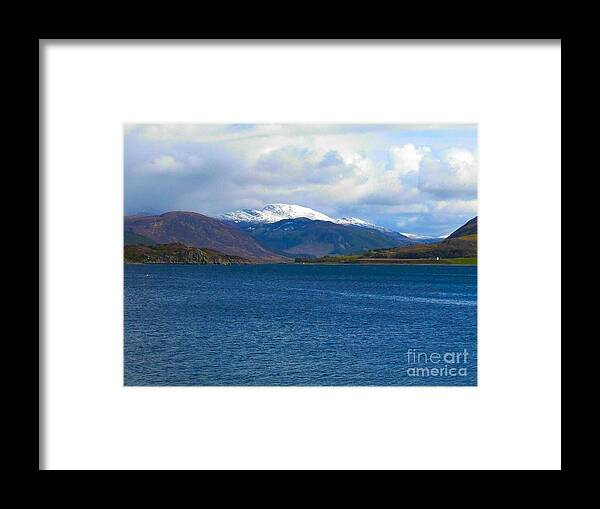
<point x="300" y="254"/>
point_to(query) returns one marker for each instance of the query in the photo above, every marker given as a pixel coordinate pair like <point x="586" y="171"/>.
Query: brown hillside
<point x="201" y="231"/>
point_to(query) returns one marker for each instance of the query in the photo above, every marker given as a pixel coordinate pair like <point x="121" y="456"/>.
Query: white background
<point x="512" y="420"/>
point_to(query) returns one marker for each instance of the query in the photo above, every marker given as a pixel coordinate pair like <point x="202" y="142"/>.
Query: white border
<point x="511" y="421"/>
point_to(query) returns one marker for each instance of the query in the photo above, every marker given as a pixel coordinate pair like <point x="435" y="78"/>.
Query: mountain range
<point x="275" y="233"/>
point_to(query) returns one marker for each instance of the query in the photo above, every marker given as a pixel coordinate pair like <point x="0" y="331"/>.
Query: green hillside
<point x="462" y="249"/>
<point x="469" y="228"/>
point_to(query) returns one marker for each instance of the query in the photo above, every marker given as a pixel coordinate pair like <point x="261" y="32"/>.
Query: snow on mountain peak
<point x="280" y="211"/>
<point x="275" y="212"/>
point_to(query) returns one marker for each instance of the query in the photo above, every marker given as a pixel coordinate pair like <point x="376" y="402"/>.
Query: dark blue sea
<point x="300" y="325"/>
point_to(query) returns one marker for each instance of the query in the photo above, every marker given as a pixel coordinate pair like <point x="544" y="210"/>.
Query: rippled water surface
<point x="300" y="325"/>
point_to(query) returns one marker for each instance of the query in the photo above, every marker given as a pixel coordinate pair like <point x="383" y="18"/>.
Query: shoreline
<point x="395" y="263"/>
<point x="429" y="263"/>
<point x="469" y="261"/>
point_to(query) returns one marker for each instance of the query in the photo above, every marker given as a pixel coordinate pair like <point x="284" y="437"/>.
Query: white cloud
<point x="164" y="163"/>
<point x="407" y="158"/>
<point x="464" y="165"/>
<point x="452" y="175"/>
<point x="460" y="207"/>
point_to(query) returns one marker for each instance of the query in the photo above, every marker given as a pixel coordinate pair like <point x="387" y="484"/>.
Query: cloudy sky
<point x="411" y="178"/>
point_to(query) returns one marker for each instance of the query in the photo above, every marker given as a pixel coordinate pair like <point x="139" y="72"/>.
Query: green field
<point x="389" y="261"/>
<point x="461" y="261"/>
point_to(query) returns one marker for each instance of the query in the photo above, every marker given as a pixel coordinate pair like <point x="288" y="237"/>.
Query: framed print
<point x="300" y="255"/>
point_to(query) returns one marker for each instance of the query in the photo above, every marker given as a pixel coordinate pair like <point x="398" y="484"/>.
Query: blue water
<point x="300" y="325"/>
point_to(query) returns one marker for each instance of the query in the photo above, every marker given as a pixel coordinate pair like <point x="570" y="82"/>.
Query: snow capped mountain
<point x="280" y="211"/>
<point x="296" y="230"/>
<point x="275" y="212"/>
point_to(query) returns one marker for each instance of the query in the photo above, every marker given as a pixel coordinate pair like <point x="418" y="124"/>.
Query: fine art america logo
<point x="436" y="364"/>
